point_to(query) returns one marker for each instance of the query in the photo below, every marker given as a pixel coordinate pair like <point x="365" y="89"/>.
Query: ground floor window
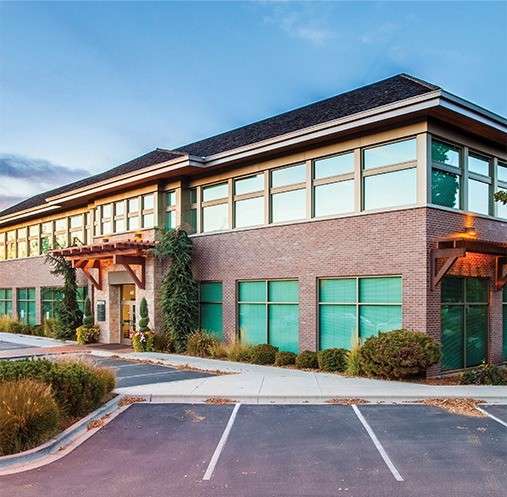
<point x="210" y="308"/>
<point x="50" y="297"/>
<point x="82" y="293"/>
<point x="26" y="305"/>
<point x="505" y="323"/>
<point x="269" y="313"/>
<point x="5" y="301"/>
<point x="352" y="309"/>
<point x="464" y="321"/>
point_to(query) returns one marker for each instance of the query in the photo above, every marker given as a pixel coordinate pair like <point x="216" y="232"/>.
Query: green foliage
<point x="239" y="352"/>
<point x="162" y="342"/>
<point x="52" y="327"/>
<point x="501" y="197"/>
<point x="143" y="312"/>
<point x="285" y="358"/>
<point x="201" y="343"/>
<point x="78" y="386"/>
<point x="353" y="367"/>
<point x="263" y="354"/>
<point x="307" y="360"/>
<point x="29" y="415"/>
<point x="87" y="334"/>
<point x="332" y="360"/>
<point x="88" y="314"/>
<point x="143" y="341"/>
<point x="398" y="354"/>
<point x="485" y="374"/>
<point x="178" y="291"/>
<point x="68" y="311"/>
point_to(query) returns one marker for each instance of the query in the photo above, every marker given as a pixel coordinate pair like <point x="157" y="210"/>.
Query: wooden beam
<point x="95" y="264"/>
<point x="450" y="256"/>
<point x="500" y="272"/>
<point x="127" y="262"/>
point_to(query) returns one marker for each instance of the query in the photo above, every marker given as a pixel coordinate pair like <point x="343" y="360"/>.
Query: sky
<point x="87" y="86"/>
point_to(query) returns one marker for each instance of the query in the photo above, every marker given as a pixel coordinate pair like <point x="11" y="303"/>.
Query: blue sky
<point x="87" y="86"/>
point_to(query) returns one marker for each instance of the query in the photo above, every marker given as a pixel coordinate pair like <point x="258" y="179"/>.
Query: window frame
<point x="248" y="196"/>
<point x="215" y="202"/>
<point x="6" y="302"/>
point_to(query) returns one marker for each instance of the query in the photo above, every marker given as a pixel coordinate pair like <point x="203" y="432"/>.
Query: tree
<point x="88" y="314"/>
<point x="178" y="291"/>
<point x="67" y="310"/>
<point x="145" y="320"/>
<point x="501" y="197"/>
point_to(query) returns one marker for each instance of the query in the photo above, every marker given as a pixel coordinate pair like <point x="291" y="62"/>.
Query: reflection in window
<point x="249" y="185"/>
<point x="478" y="197"/>
<point x="334" y="198"/>
<point x="390" y="189"/>
<point x="288" y="176"/>
<point x="215" y="217"/>
<point x="334" y="166"/>
<point x="392" y="153"/>
<point x="249" y="212"/>
<point x="502" y="171"/>
<point x="478" y="164"/>
<point x="445" y="189"/>
<point x="445" y="153"/>
<point x="288" y="206"/>
<point x="214" y="192"/>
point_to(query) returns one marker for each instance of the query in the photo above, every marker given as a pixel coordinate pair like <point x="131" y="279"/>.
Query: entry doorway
<point x="127" y="312"/>
<point x="464" y="322"/>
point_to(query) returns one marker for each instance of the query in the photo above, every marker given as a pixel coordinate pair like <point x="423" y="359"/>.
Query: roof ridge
<point x="420" y="81"/>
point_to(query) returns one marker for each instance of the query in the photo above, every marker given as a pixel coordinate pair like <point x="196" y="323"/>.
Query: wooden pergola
<point x="98" y="256"/>
<point x="448" y="252"/>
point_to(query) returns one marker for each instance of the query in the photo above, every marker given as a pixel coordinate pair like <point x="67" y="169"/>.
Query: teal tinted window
<point x="445" y="153"/>
<point x="478" y="196"/>
<point x="452" y="318"/>
<point x="478" y="164"/>
<point x="477" y="290"/>
<point x="338" y="291"/>
<point x="445" y="189"/>
<point x="170" y="220"/>
<point x="269" y="313"/>
<point x="380" y="290"/>
<point x="50" y="300"/>
<point x="288" y="206"/>
<point x="26" y="305"/>
<point x="210" y="308"/>
<point x="250" y="184"/>
<point x="334" y="166"/>
<point x="81" y="294"/>
<point x="453" y="290"/>
<point x="171" y="199"/>
<point x="390" y="189"/>
<point x="5" y="301"/>
<point x="334" y="198"/>
<point x="392" y="153"/>
<point x="288" y="175"/>
<point x="249" y="212"/>
<point x="345" y="317"/>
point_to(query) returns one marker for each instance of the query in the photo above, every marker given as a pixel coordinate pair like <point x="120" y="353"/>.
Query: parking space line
<point x="378" y="445"/>
<point x="498" y="420"/>
<point x="221" y="444"/>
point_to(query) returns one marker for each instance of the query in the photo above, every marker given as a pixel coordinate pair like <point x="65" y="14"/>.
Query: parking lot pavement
<point x="499" y="412"/>
<point x="12" y="346"/>
<point x="132" y="373"/>
<point x="278" y="451"/>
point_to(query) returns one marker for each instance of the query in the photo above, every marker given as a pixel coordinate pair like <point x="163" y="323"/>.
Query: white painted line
<point x="378" y="445"/>
<point x="221" y="444"/>
<point x="498" y="420"/>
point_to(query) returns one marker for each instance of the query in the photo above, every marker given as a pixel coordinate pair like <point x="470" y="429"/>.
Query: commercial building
<point x="369" y="211"/>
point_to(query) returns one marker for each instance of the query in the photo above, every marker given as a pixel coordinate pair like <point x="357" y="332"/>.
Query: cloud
<point x="22" y="177"/>
<point x="300" y="21"/>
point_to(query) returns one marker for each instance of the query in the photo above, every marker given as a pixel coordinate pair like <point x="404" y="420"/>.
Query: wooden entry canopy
<point x="450" y="250"/>
<point x="97" y="256"/>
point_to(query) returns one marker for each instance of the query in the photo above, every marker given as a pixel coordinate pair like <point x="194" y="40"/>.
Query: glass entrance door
<point x="464" y="322"/>
<point x="127" y="312"/>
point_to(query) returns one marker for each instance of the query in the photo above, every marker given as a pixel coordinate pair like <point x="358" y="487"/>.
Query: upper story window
<point x="120" y="221"/>
<point x="479" y="183"/>
<point x="215" y="207"/>
<point x="133" y="214"/>
<point x="11" y="244"/>
<point x="286" y="176"/>
<point x="22" y="242"/>
<point x="446" y="174"/>
<point x="249" y="201"/>
<point x="390" y="175"/>
<point x="288" y="193"/>
<point x="170" y="210"/>
<point x="149" y="211"/>
<point x="501" y="209"/>
<point x="46" y="239"/>
<point x="2" y="247"/>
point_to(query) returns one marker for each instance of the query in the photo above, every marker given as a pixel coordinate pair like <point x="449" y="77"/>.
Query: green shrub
<point x="201" y="343"/>
<point x="29" y="415"/>
<point x="353" y="367"/>
<point x="398" y="354"/>
<point x="239" y="352"/>
<point x="162" y="343"/>
<point x="485" y="374"/>
<point x="143" y="341"/>
<point x="263" y="354"/>
<point x="51" y="327"/>
<point x="332" y="360"/>
<point x="88" y="314"/>
<point x="144" y="320"/>
<point x="87" y="334"/>
<point x="307" y="360"/>
<point x="78" y="386"/>
<point x="10" y="325"/>
<point x="285" y="358"/>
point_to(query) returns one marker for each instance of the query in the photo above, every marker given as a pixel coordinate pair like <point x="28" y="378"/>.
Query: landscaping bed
<point x="40" y="398"/>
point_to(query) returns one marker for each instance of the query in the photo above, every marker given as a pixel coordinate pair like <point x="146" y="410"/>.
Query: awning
<point x="446" y="252"/>
<point x="127" y="253"/>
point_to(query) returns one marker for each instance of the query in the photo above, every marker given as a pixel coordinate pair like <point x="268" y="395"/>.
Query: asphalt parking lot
<point x="184" y="450"/>
<point x="11" y="346"/>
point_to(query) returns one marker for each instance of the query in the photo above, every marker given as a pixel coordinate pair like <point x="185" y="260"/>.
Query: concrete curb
<point x="63" y="443"/>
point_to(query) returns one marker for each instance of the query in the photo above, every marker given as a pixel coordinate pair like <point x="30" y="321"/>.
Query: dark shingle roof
<point x="154" y="157"/>
<point x="361" y="99"/>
